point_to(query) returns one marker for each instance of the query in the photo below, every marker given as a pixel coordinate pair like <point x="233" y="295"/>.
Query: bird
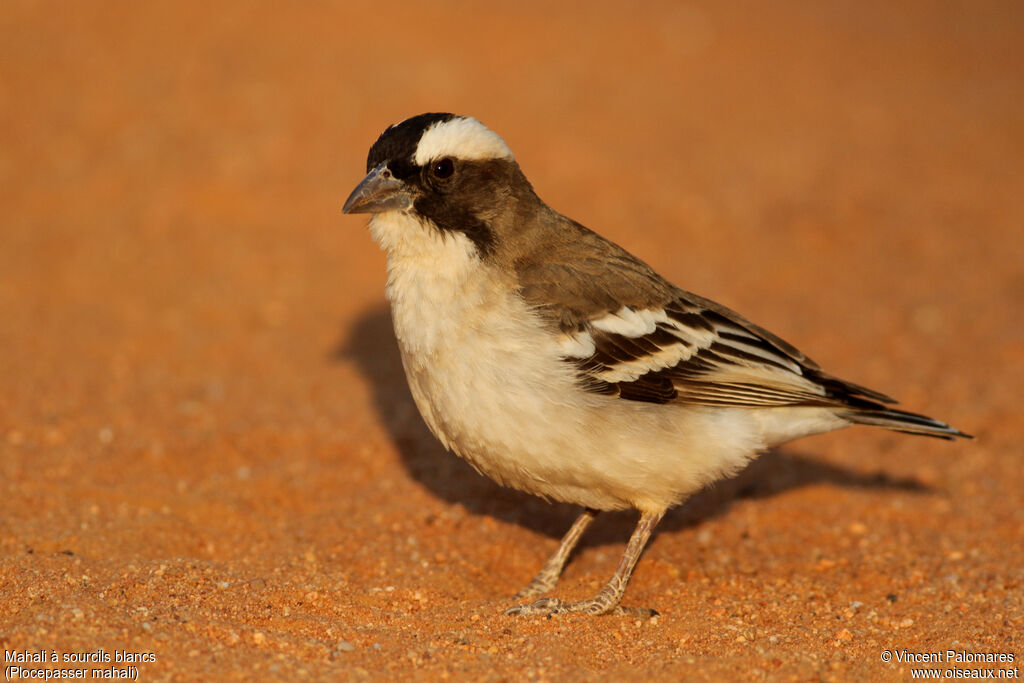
<point x="557" y="363"/>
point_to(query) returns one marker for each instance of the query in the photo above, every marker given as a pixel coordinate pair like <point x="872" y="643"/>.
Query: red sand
<point x="208" y="450"/>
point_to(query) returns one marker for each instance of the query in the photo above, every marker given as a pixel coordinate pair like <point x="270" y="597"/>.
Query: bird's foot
<point x="541" y="584"/>
<point x="550" y="606"/>
<point x="538" y="608"/>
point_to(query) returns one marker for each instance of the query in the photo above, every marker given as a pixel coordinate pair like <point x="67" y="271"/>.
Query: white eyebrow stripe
<point x="462" y="138"/>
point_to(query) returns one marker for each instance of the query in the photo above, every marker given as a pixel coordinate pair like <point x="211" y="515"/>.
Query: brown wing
<point x="633" y="335"/>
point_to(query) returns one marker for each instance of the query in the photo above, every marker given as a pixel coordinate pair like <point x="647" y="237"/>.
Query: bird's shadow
<point x="370" y="343"/>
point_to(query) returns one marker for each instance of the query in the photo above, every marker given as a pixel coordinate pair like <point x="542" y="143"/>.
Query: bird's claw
<point x="551" y="606"/>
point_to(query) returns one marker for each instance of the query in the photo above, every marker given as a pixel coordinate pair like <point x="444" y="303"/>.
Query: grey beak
<point x="379" y="191"/>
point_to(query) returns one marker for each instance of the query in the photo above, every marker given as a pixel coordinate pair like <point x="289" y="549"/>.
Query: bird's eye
<point x="443" y="168"/>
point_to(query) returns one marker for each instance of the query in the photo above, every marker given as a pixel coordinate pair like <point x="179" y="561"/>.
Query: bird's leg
<point x="607" y="600"/>
<point x="547" y="577"/>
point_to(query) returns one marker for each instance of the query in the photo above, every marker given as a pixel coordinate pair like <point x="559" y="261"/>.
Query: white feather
<point x="632" y="324"/>
<point x="577" y="345"/>
<point x="696" y="336"/>
<point x="629" y="323"/>
<point x="462" y="138"/>
<point x="631" y="370"/>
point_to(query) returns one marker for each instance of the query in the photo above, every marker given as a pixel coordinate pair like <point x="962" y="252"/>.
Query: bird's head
<point x="451" y="172"/>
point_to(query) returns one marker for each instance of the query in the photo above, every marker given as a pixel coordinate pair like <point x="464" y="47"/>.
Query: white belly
<point x="491" y="384"/>
<point x="485" y="382"/>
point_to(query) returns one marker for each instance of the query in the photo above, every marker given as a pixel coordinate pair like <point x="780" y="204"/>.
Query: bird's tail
<point x="904" y="421"/>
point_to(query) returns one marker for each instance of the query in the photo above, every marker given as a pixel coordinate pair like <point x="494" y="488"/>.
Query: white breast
<point x="481" y="368"/>
<point x="492" y="385"/>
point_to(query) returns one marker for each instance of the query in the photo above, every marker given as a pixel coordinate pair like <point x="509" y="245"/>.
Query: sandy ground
<point x="209" y="457"/>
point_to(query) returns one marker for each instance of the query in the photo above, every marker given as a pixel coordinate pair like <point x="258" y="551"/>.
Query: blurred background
<point x="195" y="355"/>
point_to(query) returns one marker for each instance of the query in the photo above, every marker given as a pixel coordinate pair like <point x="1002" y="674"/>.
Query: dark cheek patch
<point x="463" y="202"/>
<point x="456" y="218"/>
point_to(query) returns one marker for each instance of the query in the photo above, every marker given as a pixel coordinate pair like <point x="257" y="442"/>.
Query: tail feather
<point x="904" y="421"/>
